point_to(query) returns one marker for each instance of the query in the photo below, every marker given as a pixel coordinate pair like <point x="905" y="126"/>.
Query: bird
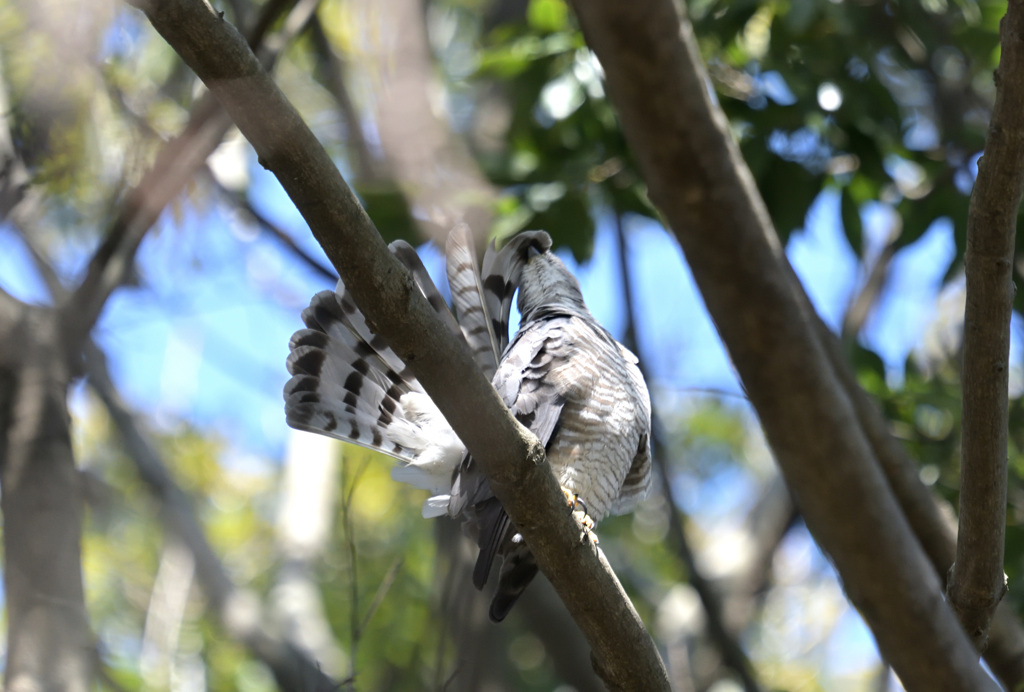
<point x="562" y="375"/>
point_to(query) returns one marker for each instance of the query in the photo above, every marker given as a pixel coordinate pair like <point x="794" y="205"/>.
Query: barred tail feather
<point x="406" y="254"/>
<point x="501" y="271"/>
<point x="468" y="299"/>
<point x="348" y="384"/>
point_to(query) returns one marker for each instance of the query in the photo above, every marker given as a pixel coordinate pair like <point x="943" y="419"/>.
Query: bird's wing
<point x="526" y="381"/>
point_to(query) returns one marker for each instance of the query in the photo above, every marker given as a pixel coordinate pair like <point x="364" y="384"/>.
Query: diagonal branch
<point x="976" y="582"/>
<point x="241" y="204"/>
<point x="175" y="164"/>
<point x="699" y="181"/>
<point x="931" y="519"/>
<point x="511" y="457"/>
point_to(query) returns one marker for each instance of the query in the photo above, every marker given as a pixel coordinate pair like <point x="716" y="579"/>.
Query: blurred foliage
<point x="884" y="101"/>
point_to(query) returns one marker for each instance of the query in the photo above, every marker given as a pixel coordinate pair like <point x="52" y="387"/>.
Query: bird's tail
<point x="347" y="383"/>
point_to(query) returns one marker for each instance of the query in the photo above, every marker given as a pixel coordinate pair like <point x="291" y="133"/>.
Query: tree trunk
<point x="50" y="646"/>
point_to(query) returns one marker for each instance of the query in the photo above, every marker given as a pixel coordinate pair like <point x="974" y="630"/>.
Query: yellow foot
<point x="579" y="512"/>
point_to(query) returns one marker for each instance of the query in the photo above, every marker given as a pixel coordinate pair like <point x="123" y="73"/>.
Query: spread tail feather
<point x="348" y="384"/>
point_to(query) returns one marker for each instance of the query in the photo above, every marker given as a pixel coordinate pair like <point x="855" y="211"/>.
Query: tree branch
<point x="932" y="520"/>
<point x="512" y="458"/>
<point x="42" y="512"/>
<point x="976" y="582"/>
<point x="242" y="204"/>
<point x="175" y="165"/>
<point x="699" y="181"/>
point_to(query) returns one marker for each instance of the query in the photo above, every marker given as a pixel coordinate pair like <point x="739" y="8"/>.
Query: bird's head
<point x="547" y="282"/>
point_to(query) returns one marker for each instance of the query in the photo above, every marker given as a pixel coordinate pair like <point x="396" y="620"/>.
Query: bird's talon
<point x="578" y="509"/>
<point x="587" y="534"/>
<point x="574" y="501"/>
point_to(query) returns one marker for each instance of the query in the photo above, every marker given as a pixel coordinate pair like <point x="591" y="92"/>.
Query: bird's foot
<point x="579" y="512"/>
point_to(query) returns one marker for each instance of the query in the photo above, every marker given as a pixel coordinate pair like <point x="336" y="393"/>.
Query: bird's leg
<point x="578" y="508"/>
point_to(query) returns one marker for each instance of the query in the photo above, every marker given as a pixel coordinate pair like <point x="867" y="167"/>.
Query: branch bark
<point x="976" y="582"/>
<point x="512" y="458"/>
<point x="699" y="181"/>
<point x="42" y="510"/>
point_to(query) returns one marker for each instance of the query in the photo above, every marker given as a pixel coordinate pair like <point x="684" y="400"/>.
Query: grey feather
<point x="406" y="254"/>
<point x="501" y="273"/>
<point x="348" y="384"/>
<point x="467" y="291"/>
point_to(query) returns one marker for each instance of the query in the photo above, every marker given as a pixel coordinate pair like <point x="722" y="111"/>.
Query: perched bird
<point x="563" y="376"/>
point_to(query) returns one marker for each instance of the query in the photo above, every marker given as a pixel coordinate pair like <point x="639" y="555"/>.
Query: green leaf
<point x="547" y="15"/>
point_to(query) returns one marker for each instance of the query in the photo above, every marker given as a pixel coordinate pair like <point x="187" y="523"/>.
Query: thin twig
<point x="382" y="591"/>
<point x="976" y="582"/>
<point x="864" y="301"/>
<point x="242" y="204"/>
<point x="732" y="654"/>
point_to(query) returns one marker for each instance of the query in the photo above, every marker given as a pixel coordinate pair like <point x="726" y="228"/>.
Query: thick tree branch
<point x="932" y="522"/>
<point x="976" y="582"/>
<point x="513" y="459"/>
<point x="699" y="181"/>
<point x="42" y="512"/>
